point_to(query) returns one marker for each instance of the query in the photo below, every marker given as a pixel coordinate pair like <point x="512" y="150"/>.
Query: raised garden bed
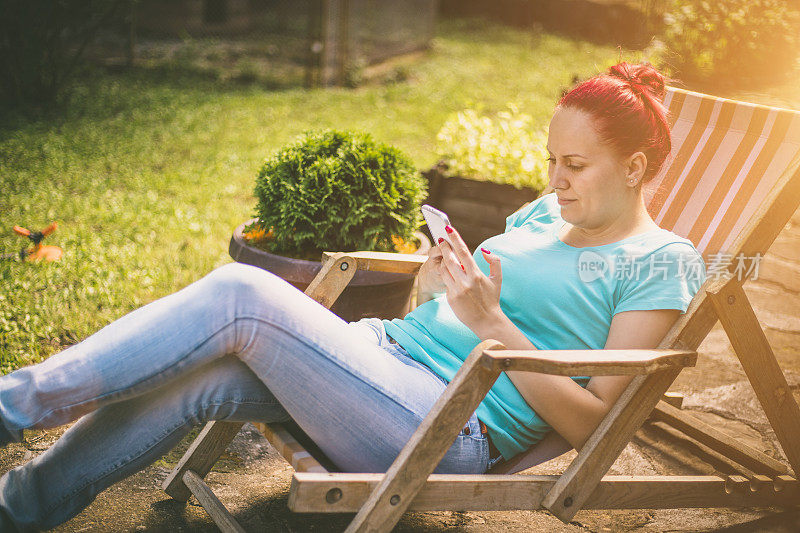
<point x="477" y="209"/>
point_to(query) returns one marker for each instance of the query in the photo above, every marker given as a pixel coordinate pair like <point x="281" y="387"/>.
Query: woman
<point x="241" y="344"/>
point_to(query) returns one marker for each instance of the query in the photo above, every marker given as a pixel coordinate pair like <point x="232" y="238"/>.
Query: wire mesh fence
<point x="280" y="42"/>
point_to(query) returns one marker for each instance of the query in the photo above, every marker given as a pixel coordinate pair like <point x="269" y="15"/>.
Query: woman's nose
<point x="557" y="178"/>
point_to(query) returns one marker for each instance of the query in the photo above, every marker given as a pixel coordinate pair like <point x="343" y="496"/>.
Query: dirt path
<point x="253" y="480"/>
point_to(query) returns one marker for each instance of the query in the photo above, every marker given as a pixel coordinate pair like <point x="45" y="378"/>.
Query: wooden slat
<point x="590" y="362"/>
<point x="782" y="482"/>
<point x="346" y="493"/>
<point x="675" y="399"/>
<point x="692" y="327"/>
<point x="435" y="185"/>
<point x="736" y="482"/>
<point x="718" y="441"/>
<point x="291" y="450"/>
<point x="475" y="231"/>
<point x="459" y="208"/>
<point x="332" y="279"/>
<point x="385" y="261"/>
<point x="478" y="190"/>
<point x="201" y="456"/>
<point x="224" y="520"/>
<point x="758" y="361"/>
<point x="576" y="484"/>
<point x="687" y="446"/>
<point x="418" y="458"/>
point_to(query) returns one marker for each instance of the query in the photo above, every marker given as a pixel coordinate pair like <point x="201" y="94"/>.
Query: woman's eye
<point x="551" y="160"/>
<point x="574" y="168"/>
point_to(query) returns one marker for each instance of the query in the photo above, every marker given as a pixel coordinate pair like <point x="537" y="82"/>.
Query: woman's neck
<point x="639" y="221"/>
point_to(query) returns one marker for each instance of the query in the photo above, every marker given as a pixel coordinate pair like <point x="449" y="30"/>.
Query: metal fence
<point x="284" y="42"/>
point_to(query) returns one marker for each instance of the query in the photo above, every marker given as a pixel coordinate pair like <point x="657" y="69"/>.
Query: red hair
<point x="627" y="105"/>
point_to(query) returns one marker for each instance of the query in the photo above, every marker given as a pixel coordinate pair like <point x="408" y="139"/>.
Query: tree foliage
<point x="42" y="42"/>
<point x="732" y="39"/>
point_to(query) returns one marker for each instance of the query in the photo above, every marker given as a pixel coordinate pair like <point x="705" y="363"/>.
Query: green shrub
<point x="505" y="148"/>
<point x="732" y="39"/>
<point x="340" y="191"/>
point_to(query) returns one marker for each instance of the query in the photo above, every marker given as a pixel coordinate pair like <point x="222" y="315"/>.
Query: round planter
<point x="369" y="294"/>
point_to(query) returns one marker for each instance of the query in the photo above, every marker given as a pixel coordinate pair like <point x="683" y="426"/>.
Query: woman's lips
<point x="562" y="201"/>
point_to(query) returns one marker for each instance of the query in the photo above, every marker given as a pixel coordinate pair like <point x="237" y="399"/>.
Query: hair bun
<point x="641" y="77"/>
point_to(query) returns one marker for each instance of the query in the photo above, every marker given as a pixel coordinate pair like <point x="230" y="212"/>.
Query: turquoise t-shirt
<point x="560" y="297"/>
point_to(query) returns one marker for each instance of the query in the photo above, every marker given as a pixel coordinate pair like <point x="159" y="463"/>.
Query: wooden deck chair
<point x="731" y="184"/>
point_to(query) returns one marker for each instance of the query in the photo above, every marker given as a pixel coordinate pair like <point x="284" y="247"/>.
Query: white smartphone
<point x="436" y="221"/>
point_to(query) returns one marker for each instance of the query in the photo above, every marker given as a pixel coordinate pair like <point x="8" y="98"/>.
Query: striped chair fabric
<point x="726" y="156"/>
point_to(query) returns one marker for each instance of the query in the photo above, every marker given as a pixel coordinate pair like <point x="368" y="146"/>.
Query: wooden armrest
<point x="337" y="271"/>
<point x="589" y="362"/>
<point x="384" y="261"/>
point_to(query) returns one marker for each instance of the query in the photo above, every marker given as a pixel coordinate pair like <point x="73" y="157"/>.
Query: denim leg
<point x="120" y="439"/>
<point x="141" y="351"/>
<point x="357" y="400"/>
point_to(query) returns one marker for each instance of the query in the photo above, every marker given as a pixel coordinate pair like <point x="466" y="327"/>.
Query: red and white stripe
<point x="726" y="156"/>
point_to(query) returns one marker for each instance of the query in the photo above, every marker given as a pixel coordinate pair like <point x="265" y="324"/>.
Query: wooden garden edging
<point x="478" y="209"/>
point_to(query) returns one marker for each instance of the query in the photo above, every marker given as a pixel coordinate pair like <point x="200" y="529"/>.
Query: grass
<point x="149" y="172"/>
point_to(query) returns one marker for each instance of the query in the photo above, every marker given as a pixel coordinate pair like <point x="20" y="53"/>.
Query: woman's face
<point x="589" y="174"/>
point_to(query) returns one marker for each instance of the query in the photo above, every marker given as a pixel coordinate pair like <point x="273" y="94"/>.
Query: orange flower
<point x="257" y="233"/>
<point x="402" y="246"/>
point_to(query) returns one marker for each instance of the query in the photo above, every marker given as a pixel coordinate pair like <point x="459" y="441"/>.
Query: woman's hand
<point x="429" y="278"/>
<point x="473" y="296"/>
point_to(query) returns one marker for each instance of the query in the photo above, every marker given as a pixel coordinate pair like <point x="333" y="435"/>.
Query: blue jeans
<point x="240" y="345"/>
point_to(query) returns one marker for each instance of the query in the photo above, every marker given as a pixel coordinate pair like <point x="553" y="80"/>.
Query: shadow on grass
<point x="783" y="522"/>
<point x="267" y="515"/>
<point x="273" y="515"/>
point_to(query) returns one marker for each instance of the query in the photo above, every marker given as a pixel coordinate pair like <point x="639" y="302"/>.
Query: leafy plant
<point x="506" y="148"/>
<point x="732" y="39"/>
<point x="335" y="190"/>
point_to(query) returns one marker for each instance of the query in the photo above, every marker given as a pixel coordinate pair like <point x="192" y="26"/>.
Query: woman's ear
<point x="636" y="167"/>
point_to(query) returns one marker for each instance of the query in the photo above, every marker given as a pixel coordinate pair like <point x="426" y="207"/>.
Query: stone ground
<point x="253" y="480"/>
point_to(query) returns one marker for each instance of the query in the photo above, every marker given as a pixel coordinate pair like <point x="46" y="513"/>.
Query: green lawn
<point x="148" y="173"/>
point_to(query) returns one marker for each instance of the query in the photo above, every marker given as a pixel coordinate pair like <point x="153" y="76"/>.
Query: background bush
<point x="505" y="148"/>
<point x="732" y="39"/>
<point x="338" y="191"/>
<point x="42" y="42"/>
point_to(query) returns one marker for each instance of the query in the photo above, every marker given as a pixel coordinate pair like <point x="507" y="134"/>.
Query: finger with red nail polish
<point x="448" y="229"/>
<point x="484" y="250"/>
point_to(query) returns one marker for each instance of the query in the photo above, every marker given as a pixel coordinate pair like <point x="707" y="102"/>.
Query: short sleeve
<point x="667" y="278"/>
<point x="536" y="208"/>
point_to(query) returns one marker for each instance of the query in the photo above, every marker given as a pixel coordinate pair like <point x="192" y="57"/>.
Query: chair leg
<point x="580" y="479"/>
<point x="429" y="443"/>
<point x="201" y="456"/>
<point x="758" y="361"/>
<point x="221" y="516"/>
